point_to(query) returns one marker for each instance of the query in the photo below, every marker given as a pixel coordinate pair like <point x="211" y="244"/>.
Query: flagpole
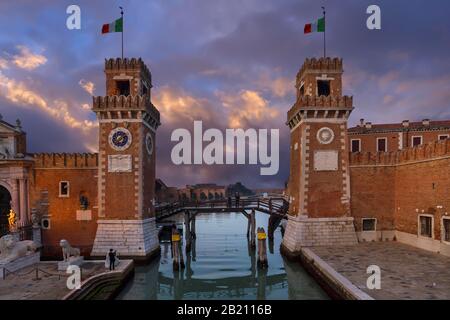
<point x="121" y="13"/>
<point x="324" y="34"/>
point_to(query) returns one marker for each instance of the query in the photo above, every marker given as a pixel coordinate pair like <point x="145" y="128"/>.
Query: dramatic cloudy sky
<point x="230" y="63"/>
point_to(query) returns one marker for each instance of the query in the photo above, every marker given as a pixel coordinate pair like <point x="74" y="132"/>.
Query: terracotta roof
<point x="398" y="127"/>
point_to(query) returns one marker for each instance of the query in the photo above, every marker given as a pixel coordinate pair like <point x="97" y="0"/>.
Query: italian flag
<point x="116" y="26"/>
<point x="318" y="26"/>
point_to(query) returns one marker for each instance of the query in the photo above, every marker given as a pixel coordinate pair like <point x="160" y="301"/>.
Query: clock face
<point x="149" y="144"/>
<point x="120" y="139"/>
<point x="325" y="135"/>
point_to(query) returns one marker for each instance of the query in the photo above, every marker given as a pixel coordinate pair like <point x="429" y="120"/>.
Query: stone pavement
<point x="49" y="287"/>
<point x="406" y="272"/>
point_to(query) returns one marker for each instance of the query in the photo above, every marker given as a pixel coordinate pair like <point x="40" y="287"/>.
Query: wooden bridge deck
<point x="276" y="206"/>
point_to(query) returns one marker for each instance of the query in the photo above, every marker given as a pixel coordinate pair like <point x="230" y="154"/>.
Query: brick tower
<point x="126" y="173"/>
<point x="319" y="185"/>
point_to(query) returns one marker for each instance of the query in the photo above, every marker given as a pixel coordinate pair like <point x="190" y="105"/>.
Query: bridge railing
<point x="275" y="205"/>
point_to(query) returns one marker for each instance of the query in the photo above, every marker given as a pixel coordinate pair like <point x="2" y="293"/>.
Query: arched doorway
<point x="5" y="206"/>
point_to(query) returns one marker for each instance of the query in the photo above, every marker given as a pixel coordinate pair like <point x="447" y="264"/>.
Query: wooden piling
<point x="193" y="232"/>
<point x="187" y="228"/>
<point x="180" y="250"/>
<point x="262" y="250"/>
<point x="249" y="225"/>
<point x="252" y="229"/>
<point x="176" y="239"/>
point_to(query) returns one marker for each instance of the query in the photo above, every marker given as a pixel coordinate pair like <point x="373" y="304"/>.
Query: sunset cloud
<point x="177" y="105"/>
<point x="3" y="63"/>
<point x="28" y="60"/>
<point x="21" y="95"/>
<point x="246" y="108"/>
<point x="88" y="86"/>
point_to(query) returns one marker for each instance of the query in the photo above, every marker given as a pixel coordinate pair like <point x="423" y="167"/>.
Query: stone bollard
<point x="176" y="239"/>
<point x="262" y="251"/>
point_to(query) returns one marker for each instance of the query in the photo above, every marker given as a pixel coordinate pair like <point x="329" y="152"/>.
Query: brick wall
<point x="396" y="187"/>
<point x="80" y="170"/>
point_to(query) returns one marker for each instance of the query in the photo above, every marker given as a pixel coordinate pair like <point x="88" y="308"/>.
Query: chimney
<point x="368" y="125"/>
<point x="426" y="122"/>
<point x="405" y="123"/>
<point x="361" y="122"/>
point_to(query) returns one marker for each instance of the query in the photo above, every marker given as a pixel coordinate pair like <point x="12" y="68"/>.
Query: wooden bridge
<point x="276" y="206"/>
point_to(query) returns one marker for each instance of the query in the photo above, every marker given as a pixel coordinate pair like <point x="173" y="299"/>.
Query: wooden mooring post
<point x="177" y="253"/>
<point x="252" y="228"/>
<point x="193" y="232"/>
<point x="262" y="250"/>
<point x="187" y="230"/>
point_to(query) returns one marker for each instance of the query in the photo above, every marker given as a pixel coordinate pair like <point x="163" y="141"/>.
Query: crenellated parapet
<point x="126" y="107"/>
<point x="307" y="107"/>
<point x="321" y="65"/>
<point x="65" y="160"/>
<point x="429" y="151"/>
<point x="125" y="64"/>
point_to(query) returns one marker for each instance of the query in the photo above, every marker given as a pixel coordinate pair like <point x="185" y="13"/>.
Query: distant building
<point x="165" y="194"/>
<point x="368" y="137"/>
<point x="203" y="191"/>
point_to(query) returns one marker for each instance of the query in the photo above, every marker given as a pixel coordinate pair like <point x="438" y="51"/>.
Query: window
<point x="64" y="188"/>
<point x="443" y="136"/>
<point x="446" y="229"/>
<point x="416" y="141"/>
<point x="382" y="144"/>
<point x="45" y="223"/>
<point x="426" y="226"/>
<point x="123" y="87"/>
<point x="323" y="88"/>
<point x="369" y="224"/>
<point x="356" y="145"/>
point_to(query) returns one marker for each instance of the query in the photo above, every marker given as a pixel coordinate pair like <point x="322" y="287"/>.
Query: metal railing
<point x="35" y="270"/>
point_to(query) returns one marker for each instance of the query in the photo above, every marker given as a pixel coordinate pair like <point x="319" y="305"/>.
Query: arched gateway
<point x="5" y="206"/>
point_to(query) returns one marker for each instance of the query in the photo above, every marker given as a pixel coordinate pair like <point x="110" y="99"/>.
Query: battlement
<point x="326" y="65"/>
<point x="325" y="101"/>
<point x="65" y="160"/>
<point x="125" y="64"/>
<point x="324" y="104"/>
<point x="132" y="104"/>
<point x="430" y="151"/>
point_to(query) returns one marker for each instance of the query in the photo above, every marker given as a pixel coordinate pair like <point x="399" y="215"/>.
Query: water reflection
<point x="222" y="265"/>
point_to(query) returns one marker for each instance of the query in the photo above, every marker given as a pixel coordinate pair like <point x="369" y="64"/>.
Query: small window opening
<point x="123" y="87"/>
<point x="323" y="87"/>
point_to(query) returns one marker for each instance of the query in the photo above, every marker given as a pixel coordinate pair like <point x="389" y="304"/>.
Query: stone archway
<point x="5" y="206"/>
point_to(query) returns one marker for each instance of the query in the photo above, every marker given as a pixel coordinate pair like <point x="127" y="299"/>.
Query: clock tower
<point x="126" y="173"/>
<point x="319" y="180"/>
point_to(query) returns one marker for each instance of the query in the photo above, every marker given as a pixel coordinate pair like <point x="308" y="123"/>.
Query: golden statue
<point x="12" y="219"/>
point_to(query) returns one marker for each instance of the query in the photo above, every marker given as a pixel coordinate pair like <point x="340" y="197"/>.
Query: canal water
<point x="221" y="266"/>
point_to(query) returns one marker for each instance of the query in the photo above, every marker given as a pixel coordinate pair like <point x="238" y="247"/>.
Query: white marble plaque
<point x="119" y="163"/>
<point x="326" y="160"/>
<point x="84" y="215"/>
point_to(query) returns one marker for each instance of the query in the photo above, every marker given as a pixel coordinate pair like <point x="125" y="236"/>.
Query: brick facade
<point x="398" y="135"/>
<point x="401" y="194"/>
<point x="397" y="187"/>
<point x="66" y="218"/>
